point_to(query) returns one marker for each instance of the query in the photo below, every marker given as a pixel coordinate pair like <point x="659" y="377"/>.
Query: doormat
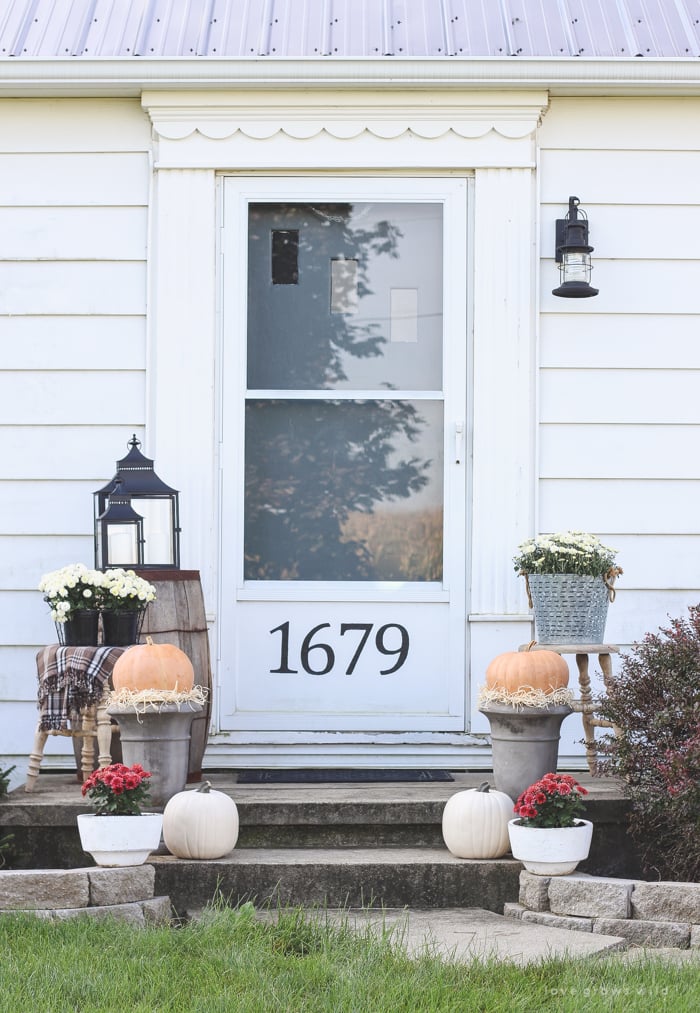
<point x="314" y="776"/>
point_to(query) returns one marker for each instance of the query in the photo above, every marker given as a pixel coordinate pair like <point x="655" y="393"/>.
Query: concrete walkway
<point x="466" y="934"/>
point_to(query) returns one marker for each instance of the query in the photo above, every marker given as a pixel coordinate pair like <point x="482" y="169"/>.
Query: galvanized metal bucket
<point x="569" y="608"/>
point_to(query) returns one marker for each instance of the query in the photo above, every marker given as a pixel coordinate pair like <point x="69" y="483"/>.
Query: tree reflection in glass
<point x="343" y="489"/>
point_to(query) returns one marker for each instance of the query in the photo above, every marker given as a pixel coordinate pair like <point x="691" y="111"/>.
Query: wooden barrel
<point x="177" y="617"/>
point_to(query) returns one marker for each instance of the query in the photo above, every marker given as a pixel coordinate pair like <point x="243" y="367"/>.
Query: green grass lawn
<point x="231" y="961"/>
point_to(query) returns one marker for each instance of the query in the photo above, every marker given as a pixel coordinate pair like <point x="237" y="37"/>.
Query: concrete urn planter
<point x="159" y="739"/>
<point x="524" y="743"/>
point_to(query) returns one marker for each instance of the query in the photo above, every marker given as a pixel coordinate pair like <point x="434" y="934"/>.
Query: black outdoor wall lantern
<point x="573" y="254"/>
<point x="137" y="488"/>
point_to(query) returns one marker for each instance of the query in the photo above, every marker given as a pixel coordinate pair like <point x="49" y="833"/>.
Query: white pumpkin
<point x="475" y="823"/>
<point x="200" y="824"/>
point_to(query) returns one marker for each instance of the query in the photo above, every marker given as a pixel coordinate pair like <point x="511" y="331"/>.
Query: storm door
<point x="344" y="442"/>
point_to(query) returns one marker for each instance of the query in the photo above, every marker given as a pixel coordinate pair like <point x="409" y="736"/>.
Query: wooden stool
<point x="93" y="723"/>
<point x="73" y="682"/>
<point x="586" y="706"/>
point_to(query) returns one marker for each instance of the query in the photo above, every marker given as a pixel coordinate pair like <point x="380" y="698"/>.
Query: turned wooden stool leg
<point x="35" y="758"/>
<point x="87" y="729"/>
<point x="584" y="682"/>
<point x="606" y="668"/>
<point x="104" y="734"/>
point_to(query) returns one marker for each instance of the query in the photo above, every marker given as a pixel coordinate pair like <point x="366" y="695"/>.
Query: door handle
<point x="459" y="441"/>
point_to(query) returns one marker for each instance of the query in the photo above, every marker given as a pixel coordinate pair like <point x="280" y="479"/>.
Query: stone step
<point x="338" y="877"/>
<point x="326" y="816"/>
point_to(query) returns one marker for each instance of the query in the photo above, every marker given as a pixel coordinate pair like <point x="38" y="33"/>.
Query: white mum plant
<point x="71" y="589"/>
<point x="123" y="590"/>
<point x="566" y="552"/>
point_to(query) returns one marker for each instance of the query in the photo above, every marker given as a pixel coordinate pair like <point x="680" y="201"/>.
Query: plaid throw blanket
<point x="71" y="678"/>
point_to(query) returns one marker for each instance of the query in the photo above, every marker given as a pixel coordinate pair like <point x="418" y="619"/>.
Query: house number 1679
<point x="318" y="658"/>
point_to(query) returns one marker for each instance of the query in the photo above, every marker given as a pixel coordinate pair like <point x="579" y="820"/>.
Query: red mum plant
<point x="555" y="801"/>
<point x="118" y="790"/>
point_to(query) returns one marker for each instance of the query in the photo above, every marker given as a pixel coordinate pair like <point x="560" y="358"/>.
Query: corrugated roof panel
<point x="43" y="25"/>
<point x="478" y="26"/>
<point x="153" y="29"/>
<point x="11" y="21"/>
<point x="668" y="27"/>
<point x="597" y="28"/>
<point x="536" y="28"/>
<point x="110" y="30"/>
<point x="299" y="29"/>
<point x="649" y="28"/>
<point x="577" y="14"/>
<point x="368" y="31"/>
<point x="689" y="12"/>
<point x="234" y="32"/>
<point x="361" y="29"/>
<point x="349" y="28"/>
<point x="184" y="27"/>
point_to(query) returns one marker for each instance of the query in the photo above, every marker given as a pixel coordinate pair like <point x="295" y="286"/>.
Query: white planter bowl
<point x="550" y="851"/>
<point x="120" y="840"/>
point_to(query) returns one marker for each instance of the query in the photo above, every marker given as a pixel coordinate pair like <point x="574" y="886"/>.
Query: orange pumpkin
<point x="515" y="670"/>
<point x="153" y="666"/>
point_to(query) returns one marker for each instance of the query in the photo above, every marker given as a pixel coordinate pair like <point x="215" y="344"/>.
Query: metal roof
<point x="235" y="29"/>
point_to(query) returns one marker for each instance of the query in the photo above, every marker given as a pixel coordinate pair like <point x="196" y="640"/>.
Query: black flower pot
<point x="81" y="629"/>
<point x="120" y="629"/>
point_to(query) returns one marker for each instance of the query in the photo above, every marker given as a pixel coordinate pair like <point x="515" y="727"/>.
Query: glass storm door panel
<point x="346" y="591"/>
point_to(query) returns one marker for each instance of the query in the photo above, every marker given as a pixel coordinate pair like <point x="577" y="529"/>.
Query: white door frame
<point x="446" y="129"/>
<point x="449" y="686"/>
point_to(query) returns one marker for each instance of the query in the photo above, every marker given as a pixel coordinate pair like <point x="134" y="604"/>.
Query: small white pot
<point x="120" y="840"/>
<point x="550" y="851"/>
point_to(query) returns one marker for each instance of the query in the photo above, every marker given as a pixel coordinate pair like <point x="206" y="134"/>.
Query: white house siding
<point x="586" y="412"/>
<point x="619" y="374"/>
<point x="74" y="193"/>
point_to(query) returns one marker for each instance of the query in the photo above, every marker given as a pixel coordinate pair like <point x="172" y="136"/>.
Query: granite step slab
<point x="344" y="877"/>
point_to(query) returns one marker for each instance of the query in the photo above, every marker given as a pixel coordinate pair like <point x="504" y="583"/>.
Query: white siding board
<point x="620" y="506"/>
<point x="662" y="124"/>
<point x="40" y="508"/>
<point x="620" y="340"/>
<point x="87" y="451"/>
<point x="619" y="177"/>
<point x="633" y="232"/>
<point x="642" y="286"/>
<point x="50" y="179"/>
<point x="45" y="125"/>
<point x="19" y="723"/>
<point x="56" y="399"/>
<point x="114" y="233"/>
<point x="73" y="342"/>
<point x="620" y="451"/>
<point x="32" y="625"/>
<point x="26" y="558"/>
<point x="117" y="287"/>
<point x="634" y="613"/>
<point x="18" y="679"/>
<point x="658" y="561"/>
<point x="620" y="396"/>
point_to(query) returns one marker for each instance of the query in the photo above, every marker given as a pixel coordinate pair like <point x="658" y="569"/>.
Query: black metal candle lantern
<point x="573" y="254"/>
<point x="118" y="533"/>
<point x="150" y="499"/>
